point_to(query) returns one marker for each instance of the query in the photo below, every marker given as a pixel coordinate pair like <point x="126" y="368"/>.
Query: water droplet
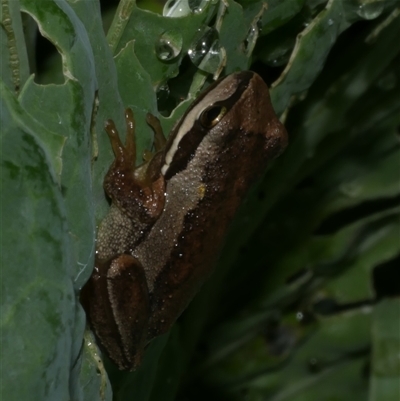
<point x="169" y="45"/>
<point x="250" y="40"/>
<point x="197" y="6"/>
<point x="370" y="9"/>
<point x="330" y="21"/>
<point x="162" y="94"/>
<point x="176" y="8"/>
<point x="206" y="52"/>
<point x="202" y="44"/>
<point x="252" y="36"/>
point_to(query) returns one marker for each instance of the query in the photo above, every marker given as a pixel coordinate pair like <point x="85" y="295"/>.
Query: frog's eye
<point x="212" y="115"/>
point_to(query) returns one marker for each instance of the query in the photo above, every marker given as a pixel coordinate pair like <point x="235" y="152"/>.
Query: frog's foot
<point x="125" y="156"/>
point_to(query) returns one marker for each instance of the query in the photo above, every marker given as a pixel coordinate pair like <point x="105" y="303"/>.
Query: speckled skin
<point x="169" y="228"/>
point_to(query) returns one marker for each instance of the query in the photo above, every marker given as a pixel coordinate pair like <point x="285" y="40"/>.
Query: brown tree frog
<point x="168" y="216"/>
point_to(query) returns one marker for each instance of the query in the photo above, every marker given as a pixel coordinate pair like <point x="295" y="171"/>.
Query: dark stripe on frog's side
<point x="192" y="138"/>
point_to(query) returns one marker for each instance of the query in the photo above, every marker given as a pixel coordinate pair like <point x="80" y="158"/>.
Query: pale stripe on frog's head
<point x="189" y="130"/>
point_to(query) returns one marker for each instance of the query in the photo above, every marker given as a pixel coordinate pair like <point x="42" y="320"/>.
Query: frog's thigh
<point x="129" y="301"/>
<point x="119" y="309"/>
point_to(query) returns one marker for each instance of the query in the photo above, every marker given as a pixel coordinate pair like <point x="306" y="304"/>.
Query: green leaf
<point x="385" y="370"/>
<point x="37" y="296"/>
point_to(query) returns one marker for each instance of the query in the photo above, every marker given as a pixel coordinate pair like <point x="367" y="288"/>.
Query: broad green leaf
<point x="37" y="295"/>
<point x="385" y="369"/>
<point x="67" y="110"/>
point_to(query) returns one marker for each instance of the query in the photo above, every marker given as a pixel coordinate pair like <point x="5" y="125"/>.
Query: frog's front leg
<point x="137" y="191"/>
<point x="137" y="195"/>
<point x="116" y="297"/>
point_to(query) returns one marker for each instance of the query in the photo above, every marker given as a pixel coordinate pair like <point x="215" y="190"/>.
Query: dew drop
<point x="252" y="36"/>
<point x="169" y="45"/>
<point x="206" y="52"/>
<point x="202" y="44"/>
<point x="370" y="9"/>
<point x="198" y="6"/>
<point x="162" y="94"/>
<point x="176" y="8"/>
